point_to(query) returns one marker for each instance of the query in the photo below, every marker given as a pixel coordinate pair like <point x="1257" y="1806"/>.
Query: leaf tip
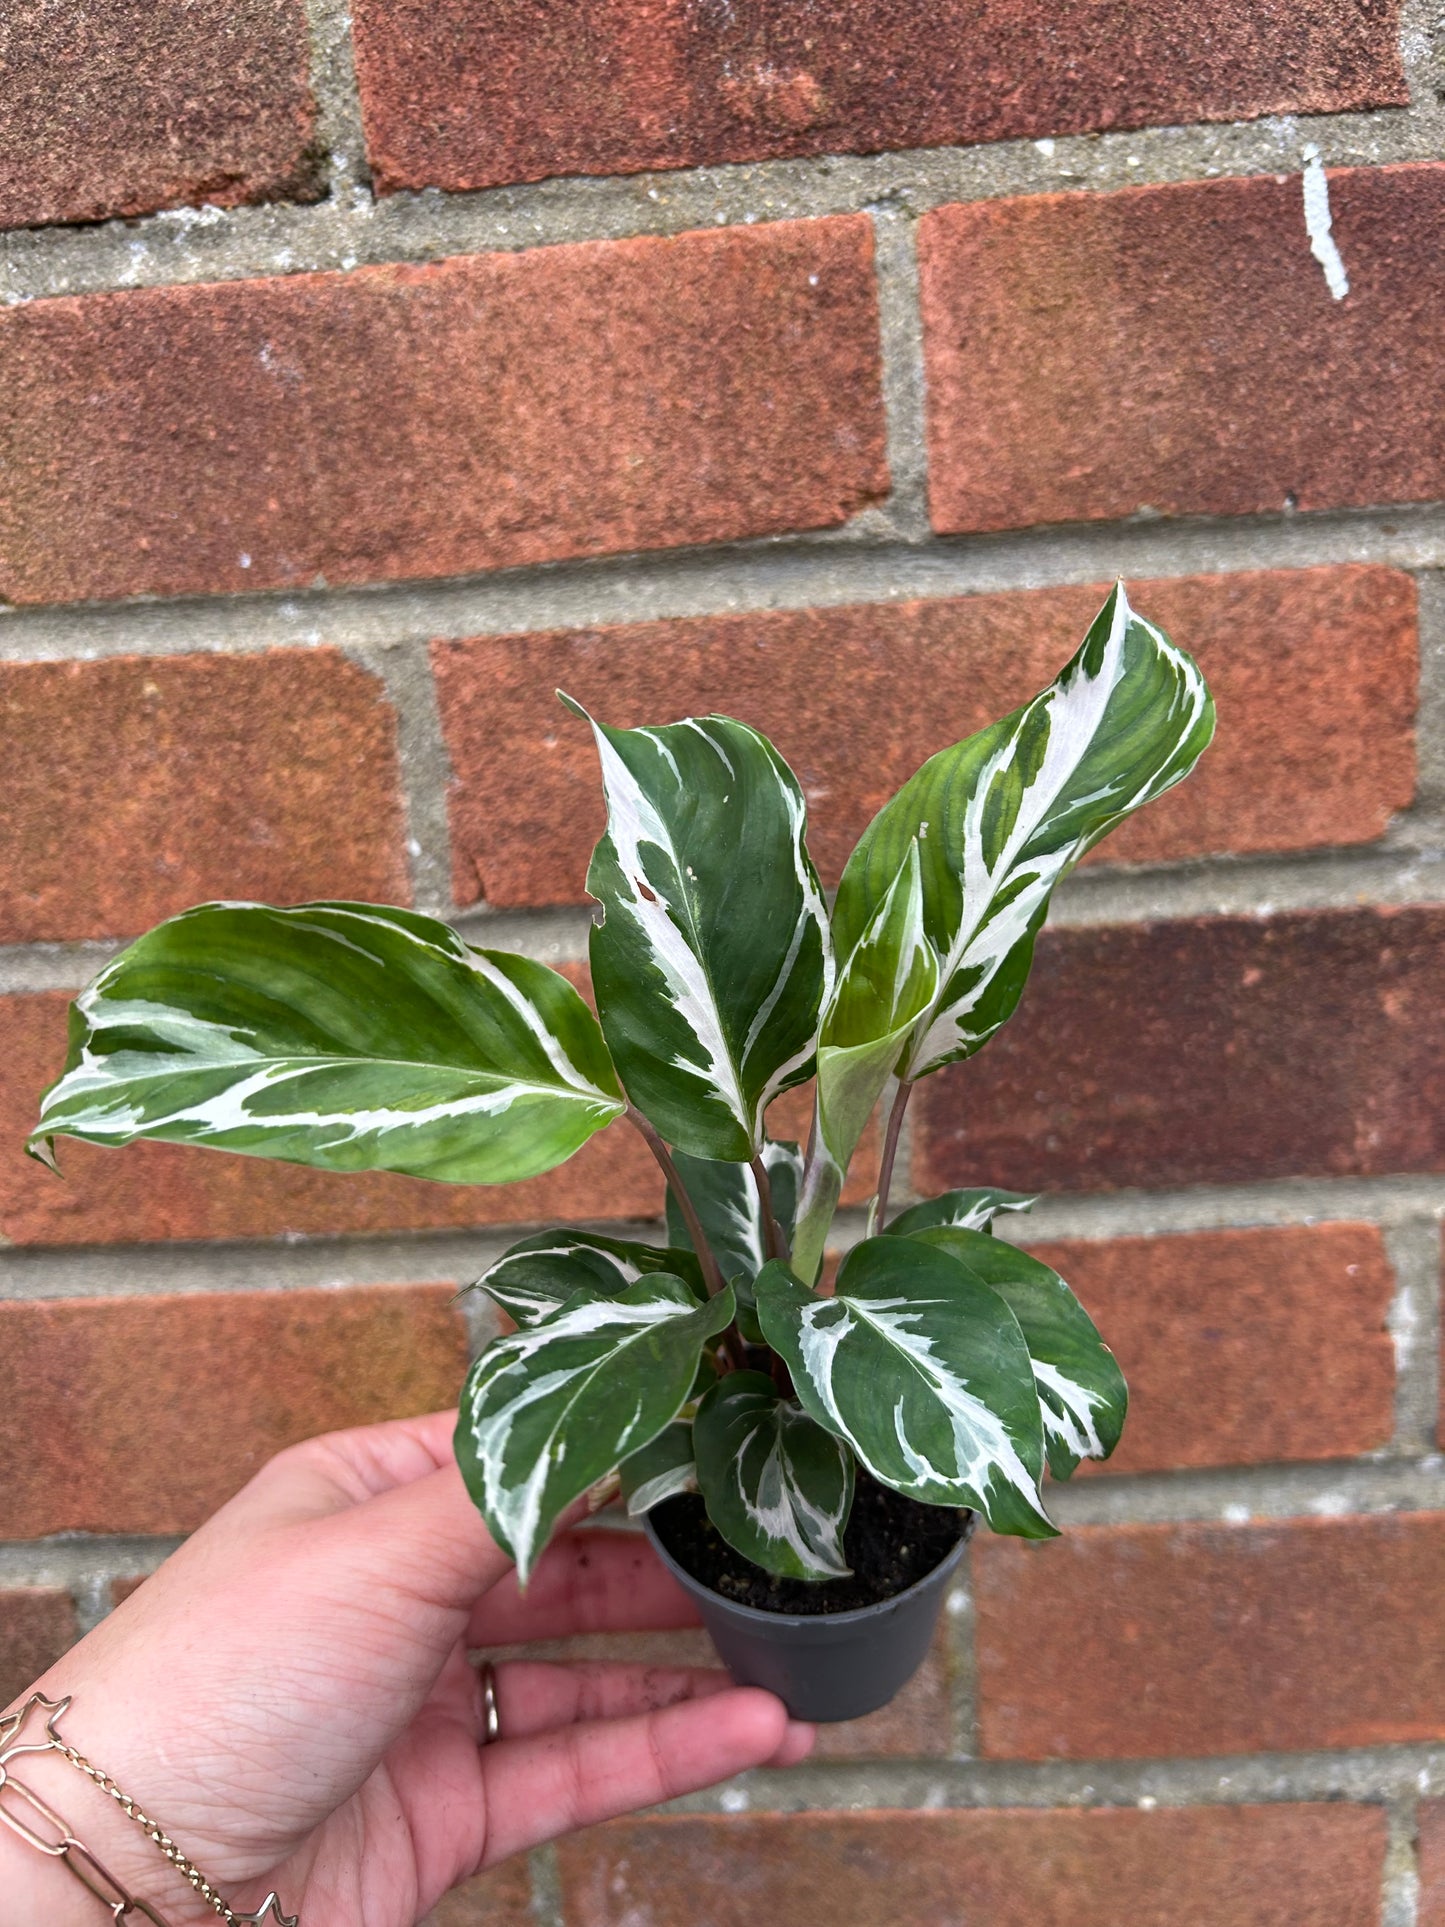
<point x="571" y="705"/>
<point x="41" y="1146"/>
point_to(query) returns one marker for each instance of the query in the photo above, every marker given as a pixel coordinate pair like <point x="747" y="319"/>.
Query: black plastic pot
<point x="824" y="1666"/>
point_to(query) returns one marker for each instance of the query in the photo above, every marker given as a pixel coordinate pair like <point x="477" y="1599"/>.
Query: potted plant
<point x="806" y="1458"/>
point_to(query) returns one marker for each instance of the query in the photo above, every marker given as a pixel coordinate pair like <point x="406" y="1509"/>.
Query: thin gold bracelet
<point x="78" y="1860"/>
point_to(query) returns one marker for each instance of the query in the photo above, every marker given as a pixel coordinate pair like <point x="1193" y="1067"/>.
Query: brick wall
<point x="366" y="377"/>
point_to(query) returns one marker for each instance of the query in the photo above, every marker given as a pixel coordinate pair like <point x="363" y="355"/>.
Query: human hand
<point x="289" y="1696"/>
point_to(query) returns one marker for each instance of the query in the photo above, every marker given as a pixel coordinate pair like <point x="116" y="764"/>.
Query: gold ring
<point x="491" y="1721"/>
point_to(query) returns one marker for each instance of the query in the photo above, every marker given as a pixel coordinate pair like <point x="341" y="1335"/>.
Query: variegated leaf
<point x="659" y="1471"/>
<point x="924" y="1371"/>
<point x="537" y="1276"/>
<point x="725" y="1197"/>
<point x="777" y="1486"/>
<point x="887" y="982"/>
<point x="544" y="1413"/>
<point x="711" y="962"/>
<point x="969" y="1210"/>
<point x="344" y="1035"/>
<point x="1001" y="817"/>
<point x="1082" y="1395"/>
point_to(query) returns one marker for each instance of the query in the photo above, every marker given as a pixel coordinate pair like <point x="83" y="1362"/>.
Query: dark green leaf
<point x="778" y="1487"/>
<point x="348" y="1036"/>
<point x="1082" y="1394"/>
<point x="545" y="1413"/>
<point x="538" y="1275"/>
<point x="710" y="963"/>
<point x="924" y="1371"/>
<point x="1001" y="817"/>
<point x="969" y="1210"/>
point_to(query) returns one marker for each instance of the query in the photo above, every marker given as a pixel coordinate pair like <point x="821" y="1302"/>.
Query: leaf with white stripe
<point x="349" y="1036"/>
<point x="888" y="981"/>
<point x="725" y="1197"/>
<point x="659" y="1471"/>
<point x="1002" y="816"/>
<point x="547" y="1412"/>
<point x="923" y="1370"/>
<point x="711" y="962"/>
<point x="1082" y="1395"/>
<point x="538" y="1275"/>
<point x="777" y="1486"/>
<point x="973" y="1210"/>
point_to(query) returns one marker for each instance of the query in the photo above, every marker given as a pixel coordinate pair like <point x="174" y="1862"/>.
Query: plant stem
<point x="890" y="1151"/>
<point x="712" y="1277"/>
<point x="773" y="1239"/>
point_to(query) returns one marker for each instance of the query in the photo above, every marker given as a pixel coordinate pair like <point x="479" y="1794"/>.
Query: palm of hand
<point x="291" y="1695"/>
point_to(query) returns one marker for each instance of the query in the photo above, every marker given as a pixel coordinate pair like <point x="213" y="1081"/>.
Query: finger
<point x="339" y="1469"/>
<point x="423" y="1544"/>
<point x="540" y="1787"/>
<point x="533" y="1697"/>
<point x="600" y="1581"/>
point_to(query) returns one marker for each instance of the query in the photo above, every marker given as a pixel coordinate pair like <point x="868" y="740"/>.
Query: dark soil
<point x="891" y="1543"/>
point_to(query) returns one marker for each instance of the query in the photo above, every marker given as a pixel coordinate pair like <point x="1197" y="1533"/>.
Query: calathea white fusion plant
<point x="356" y="1037"/>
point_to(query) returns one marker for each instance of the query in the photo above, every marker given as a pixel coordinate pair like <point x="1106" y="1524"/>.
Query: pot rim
<point x="854" y="1614"/>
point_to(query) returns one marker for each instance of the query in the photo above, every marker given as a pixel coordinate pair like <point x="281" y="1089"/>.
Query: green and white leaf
<point x="777" y="1486"/>
<point x="725" y="1197"/>
<point x="537" y="1276"/>
<point x="923" y="1370"/>
<point x="349" y="1036"/>
<point x="889" y="980"/>
<point x="1002" y="816"/>
<point x="1082" y="1395"/>
<point x="973" y="1210"/>
<point x="711" y="962"/>
<point x="659" y="1471"/>
<point x="545" y="1413"/>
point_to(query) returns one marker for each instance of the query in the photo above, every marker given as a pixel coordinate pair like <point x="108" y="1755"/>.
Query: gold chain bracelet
<point x="77" y="1859"/>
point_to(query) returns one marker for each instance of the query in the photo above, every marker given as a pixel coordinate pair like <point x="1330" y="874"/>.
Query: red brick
<point x="1243" y="1347"/>
<point x="917" y="1724"/>
<point x="37" y="1625"/>
<point x="460" y="97"/>
<point x="1432" y="1864"/>
<point x="1205" y="1050"/>
<point x="1175" y="350"/>
<point x="1300" y="759"/>
<point x="157" y="1192"/>
<point x="472" y="414"/>
<point x="117" y="1395"/>
<point x="1315" y="1866"/>
<point x="502" y="1897"/>
<point x="138" y="785"/>
<point x="143" y="104"/>
<point x="1131" y="1641"/>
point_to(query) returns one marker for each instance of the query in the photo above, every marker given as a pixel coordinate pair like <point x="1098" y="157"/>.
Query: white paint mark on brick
<point x="734" y="1799"/>
<point x="1319" y="226"/>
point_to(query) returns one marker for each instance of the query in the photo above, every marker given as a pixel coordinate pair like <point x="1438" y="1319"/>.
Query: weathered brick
<point x="137" y="785"/>
<point x="917" y="1724"/>
<point x="144" y="104"/>
<point x="1432" y="1864"/>
<point x="157" y="1192"/>
<point x="1206" y="1050"/>
<point x="114" y="1395"/>
<point x="1126" y="1641"/>
<point x="1315" y="1866"/>
<point x="37" y="1625"/>
<point x="460" y="97"/>
<point x="1300" y="759"/>
<point x="1175" y="350"/>
<point x="1243" y="1347"/>
<point x="471" y="414"/>
<point x="501" y="1897"/>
